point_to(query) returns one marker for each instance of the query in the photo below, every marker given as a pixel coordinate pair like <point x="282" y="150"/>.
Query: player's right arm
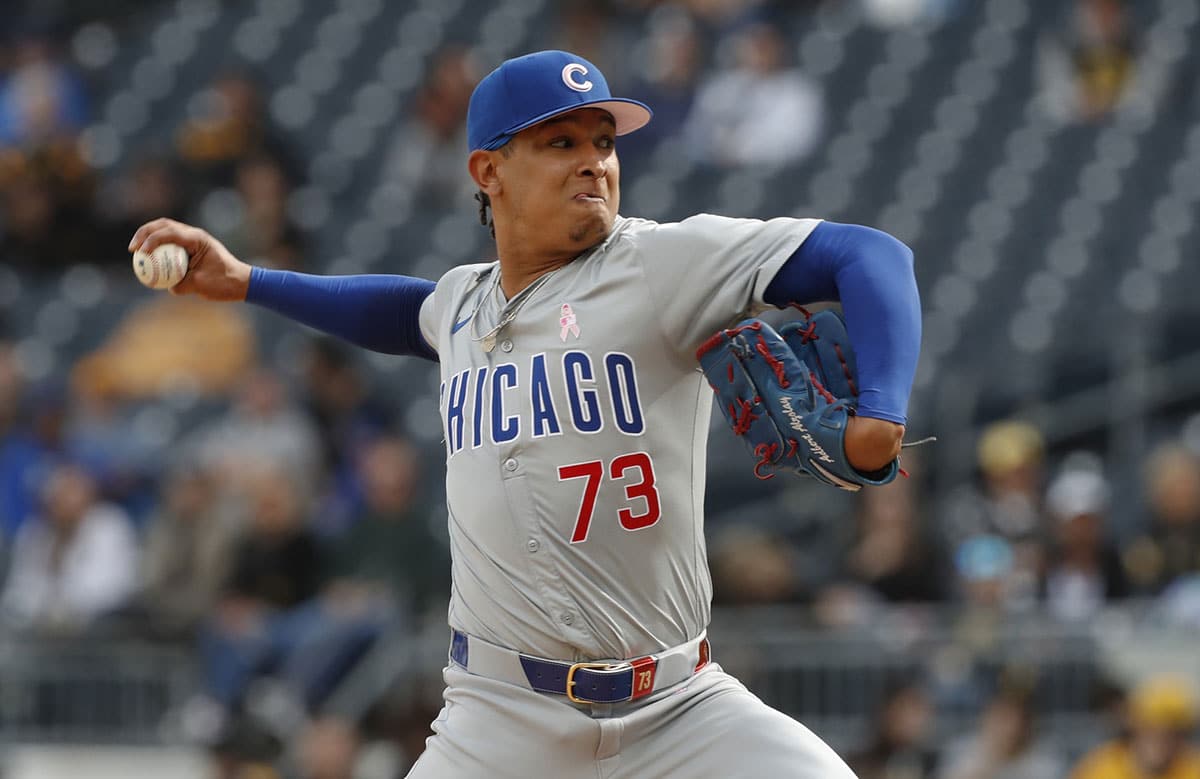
<point x="377" y="312"/>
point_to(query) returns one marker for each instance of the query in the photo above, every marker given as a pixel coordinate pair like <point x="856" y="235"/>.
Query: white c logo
<point x="568" y="77"/>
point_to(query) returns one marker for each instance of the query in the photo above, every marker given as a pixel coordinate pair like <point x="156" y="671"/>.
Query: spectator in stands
<point x="42" y="102"/>
<point x="1005" y="744"/>
<point x="123" y="457"/>
<point x="288" y="615"/>
<point x="1170" y="547"/>
<point x="11" y="384"/>
<point x="29" y="450"/>
<point x="246" y="750"/>
<point x="390" y="558"/>
<point x="668" y="83"/>
<point x="12" y="491"/>
<point x="899" y="745"/>
<point x="1087" y="65"/>
<point x="276" y="567"/>
<point x="262" y="228"/>
<point x="149" y="188"/>
<point x="333" y="748"/>
<point x="1084" y="570"/>
<point x="588" y="28"/>
<point x="1008" y="502"/>
<point x="189" y="546"/>
<point x="1179" y="604"/>
<point x="263" y="426"/>
<point x="46" y="187"/>
<point x="74" y="563"/>
<point x="399" y="721"/>
<point x="892" y="556"/>
<point x="1162" y="718"/>
<point x="752" y="566"/>
<point x="231" y="127"/>
<point x="760" y="112"/>
<point x="989" y="592"/>
<point x="329" y="750"/>
<point x="1010" y="455"/>
<point x="426" y="152"/>
<point x="347" y="418"/>
<point x="16" y="497"/>
<point x="889" y="561"/>
<point x="46" y="211"/>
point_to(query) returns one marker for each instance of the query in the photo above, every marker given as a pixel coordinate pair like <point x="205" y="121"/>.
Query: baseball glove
<point x="789" y="395"/>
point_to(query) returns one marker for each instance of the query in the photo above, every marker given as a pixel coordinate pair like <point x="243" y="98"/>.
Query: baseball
<point x="163" y="268"/>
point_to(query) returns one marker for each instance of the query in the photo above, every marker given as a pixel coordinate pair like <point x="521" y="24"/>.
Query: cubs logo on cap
<point x="539" y="86"/>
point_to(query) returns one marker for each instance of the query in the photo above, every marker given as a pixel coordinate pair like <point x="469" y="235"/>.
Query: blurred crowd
<point x="281" y="539"/>
<point x="225" y="167"/>
<point x="296" y="525"/>
<point x="1024" y="537"/>
<point x="725" y="85"/>
<point x="1150" y="736"/>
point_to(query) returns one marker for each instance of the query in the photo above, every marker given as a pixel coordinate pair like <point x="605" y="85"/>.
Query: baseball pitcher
<point x="577" y="378"/>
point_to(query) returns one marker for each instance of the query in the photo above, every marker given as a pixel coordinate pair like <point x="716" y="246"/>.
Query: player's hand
<point x="213" y="272"/>
<point x="872" y="443"/>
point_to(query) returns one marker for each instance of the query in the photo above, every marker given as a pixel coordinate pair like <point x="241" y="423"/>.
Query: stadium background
<point x="190" y="490"/>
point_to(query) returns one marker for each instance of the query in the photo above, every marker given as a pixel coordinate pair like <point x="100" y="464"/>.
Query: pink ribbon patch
<point x="567" y="319"/>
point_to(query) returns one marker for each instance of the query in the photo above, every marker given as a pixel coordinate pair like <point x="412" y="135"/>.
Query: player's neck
<point x="521" y="265"/>
<point x="516" y="277"/>
<point x="525" y="256"/>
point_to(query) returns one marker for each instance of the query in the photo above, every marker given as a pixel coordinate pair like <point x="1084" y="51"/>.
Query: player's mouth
<point x="587" y="197"/>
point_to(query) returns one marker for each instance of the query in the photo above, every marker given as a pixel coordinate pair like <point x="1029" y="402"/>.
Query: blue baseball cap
<point x="539" y="86"/>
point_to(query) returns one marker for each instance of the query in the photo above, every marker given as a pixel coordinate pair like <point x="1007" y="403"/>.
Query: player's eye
<point x="607" y="142"/>
<point x="561" y="143"/>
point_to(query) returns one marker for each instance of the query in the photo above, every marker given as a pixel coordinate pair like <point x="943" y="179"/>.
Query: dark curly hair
<point x="485" y="219"/>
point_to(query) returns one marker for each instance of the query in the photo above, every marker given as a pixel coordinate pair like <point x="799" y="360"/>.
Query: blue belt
<point x="581" y="682"/>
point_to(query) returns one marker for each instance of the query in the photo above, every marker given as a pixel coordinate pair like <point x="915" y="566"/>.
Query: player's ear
<point x="482" y="166"/>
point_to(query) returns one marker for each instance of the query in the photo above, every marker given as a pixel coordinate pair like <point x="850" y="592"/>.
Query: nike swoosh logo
<point x="459" y="325"/>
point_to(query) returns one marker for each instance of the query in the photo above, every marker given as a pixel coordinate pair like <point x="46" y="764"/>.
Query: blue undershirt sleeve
<point x="871" y="273"/>
<point x="376" y="312"/>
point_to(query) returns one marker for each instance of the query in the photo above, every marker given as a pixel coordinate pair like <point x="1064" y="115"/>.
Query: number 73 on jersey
<point x="635" y="471"/>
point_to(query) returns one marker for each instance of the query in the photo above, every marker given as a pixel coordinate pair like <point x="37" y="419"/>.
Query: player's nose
<point x="594" y="166"/>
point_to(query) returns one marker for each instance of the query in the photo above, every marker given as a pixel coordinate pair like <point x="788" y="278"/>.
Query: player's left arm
<point x="871" y="274"/>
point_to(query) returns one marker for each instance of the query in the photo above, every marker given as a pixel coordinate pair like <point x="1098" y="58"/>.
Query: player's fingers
<point x="139" y="235"/>
<point x="184" y="287"/>
<point x="154" y="238"/>
<point x="173" y="232"/>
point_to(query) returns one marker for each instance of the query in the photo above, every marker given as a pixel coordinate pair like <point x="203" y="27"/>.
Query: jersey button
<point x="506" y="345"/>
<point x="510" y="465"/>
<point x="532" y="545"/>
<point x="566" y="619"/>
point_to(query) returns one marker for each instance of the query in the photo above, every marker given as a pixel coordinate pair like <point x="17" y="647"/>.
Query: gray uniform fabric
<point x="709" y="728"/>
<point x="575" y="471"/>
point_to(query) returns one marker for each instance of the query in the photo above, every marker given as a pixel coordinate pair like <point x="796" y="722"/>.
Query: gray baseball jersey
<point x="575" y="423"/>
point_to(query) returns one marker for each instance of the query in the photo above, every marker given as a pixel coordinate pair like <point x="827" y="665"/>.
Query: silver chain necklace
<point x="488" y="339"/>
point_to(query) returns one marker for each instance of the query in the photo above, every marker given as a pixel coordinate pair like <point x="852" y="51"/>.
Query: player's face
<point x="562" y="180"/>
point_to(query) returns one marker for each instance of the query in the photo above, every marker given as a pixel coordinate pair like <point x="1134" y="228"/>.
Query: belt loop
<point x="459" y="648"/>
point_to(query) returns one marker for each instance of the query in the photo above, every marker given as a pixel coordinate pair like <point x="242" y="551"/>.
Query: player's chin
<point x="591" y="232"/>
<point x="591" y="229"/>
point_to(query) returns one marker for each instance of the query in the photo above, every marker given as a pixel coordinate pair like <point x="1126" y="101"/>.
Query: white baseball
<point x="163" y="268"/>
